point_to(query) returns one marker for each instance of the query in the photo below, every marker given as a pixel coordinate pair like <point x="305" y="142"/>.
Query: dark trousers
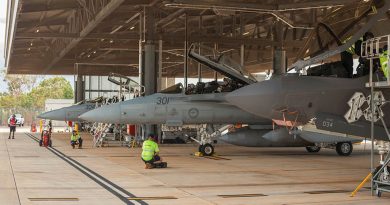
<point x="154" y="159"/>
<point x="12" y="130"/>
<point x="77" y="142"/>
<point x="347" y="60"/>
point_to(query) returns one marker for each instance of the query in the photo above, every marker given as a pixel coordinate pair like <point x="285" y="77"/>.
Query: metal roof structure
<point x="102" y="36"/>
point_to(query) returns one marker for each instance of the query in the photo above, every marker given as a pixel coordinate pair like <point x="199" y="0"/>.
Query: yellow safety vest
<point x="384" y="60"/>
<point x="74" y="137"/>
<point x="351" y="49"/>
<point x="149" y="149"/>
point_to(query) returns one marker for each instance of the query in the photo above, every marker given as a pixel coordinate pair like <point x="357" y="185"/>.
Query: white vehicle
<point x="19" y="119"/>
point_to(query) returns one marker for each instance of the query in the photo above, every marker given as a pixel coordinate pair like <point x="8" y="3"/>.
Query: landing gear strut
<point x="313" y="149"/>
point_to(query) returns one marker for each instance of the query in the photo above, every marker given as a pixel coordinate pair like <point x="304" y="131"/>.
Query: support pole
<point x="140" y="63"/>
<point x="199" y="49"/>
<point x="242" y="55"/>
<point x="185" y="52"/>
<point x="159" y="79"/>
<point x="79" y="91"/>
<point x="372" y="128"/>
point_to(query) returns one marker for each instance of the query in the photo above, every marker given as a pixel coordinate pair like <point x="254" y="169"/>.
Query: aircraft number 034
<point x="162" y="101"/>
<point x="327" y="124"/>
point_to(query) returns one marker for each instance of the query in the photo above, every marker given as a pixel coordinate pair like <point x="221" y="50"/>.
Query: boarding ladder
<point x="373" y="49"/>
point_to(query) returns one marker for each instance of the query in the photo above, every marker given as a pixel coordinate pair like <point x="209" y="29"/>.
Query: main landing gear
<point x="206" y="149"/>
<point x="342" y="148"/>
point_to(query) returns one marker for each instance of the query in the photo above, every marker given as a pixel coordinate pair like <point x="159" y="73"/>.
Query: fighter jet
<point x="70" y="113"/>
<point x="314" y="104"/>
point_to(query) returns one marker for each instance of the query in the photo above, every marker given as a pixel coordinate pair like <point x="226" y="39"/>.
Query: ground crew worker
<point x="347" y="55"/>
<point x="384" y="60"/>
<point x="75" y="139"/>
<point x="150" y="152"/>
<point x="12" y="126"/>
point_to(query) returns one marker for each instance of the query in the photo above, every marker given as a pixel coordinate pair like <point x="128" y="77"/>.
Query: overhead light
<point x="246" y="33"/>
<point x="37" y="30"/>
<point x="89" y="56"/>
<point x="94" y="52"/>
<point x="111" y="41"/>
<point x="131" y="28"/>
<point x="31" y="44"/>
<point x="29" y="49"/>
<point x="167" y="58"/>
<point x="102" y="39"/>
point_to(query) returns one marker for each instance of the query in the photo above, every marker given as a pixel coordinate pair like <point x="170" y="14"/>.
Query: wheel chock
<point x="198" y="154"/>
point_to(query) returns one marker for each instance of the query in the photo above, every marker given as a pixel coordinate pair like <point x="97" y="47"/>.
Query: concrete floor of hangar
<point x="266" y="175"/>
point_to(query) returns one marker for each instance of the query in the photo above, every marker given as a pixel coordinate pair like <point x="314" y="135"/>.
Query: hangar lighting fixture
<point x="31" y="44"/>
<point x="111" y="41"/>
<point x="37" y="30"/>
<point x="246" y="33"/>
<point x="29" y="49"/>
<point x="89" y="56"/>
<point x="131" y="28"/>
<point x="94" y="52"/>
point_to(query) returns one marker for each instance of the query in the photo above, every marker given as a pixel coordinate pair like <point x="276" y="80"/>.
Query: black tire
<point x="344" y="148"/>
<point x="200" y="148"/>
<point x="313" y="149"/>
<point x="378" y="193"/>
<point x="207" y="149"/>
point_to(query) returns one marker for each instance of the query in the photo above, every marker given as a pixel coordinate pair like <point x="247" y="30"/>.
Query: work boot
<point x="148" y="166"/>
<point x="13" y="137"/>
<point x="9" y="137"/>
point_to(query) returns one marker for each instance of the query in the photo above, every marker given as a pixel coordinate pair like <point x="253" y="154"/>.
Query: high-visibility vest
<point x="149" y="149"/>
<point x="351" y="49"/>
<point x="12" y="122"/>
<point x="384" y="60"/>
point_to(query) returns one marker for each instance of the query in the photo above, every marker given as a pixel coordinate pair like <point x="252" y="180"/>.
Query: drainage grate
<point x="27" y="156"/>
<point x="151" y="198"/>
<point x="326" y="192"/>
<point x="53" y="199"/>
<point x="30" y="172"/>
<point x="241" y="195"/>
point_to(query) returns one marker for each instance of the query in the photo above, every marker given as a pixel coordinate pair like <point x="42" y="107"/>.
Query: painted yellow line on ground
<point x="241" y="195"/>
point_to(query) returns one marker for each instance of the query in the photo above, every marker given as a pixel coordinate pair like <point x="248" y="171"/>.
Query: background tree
<point x="52" y="88"/>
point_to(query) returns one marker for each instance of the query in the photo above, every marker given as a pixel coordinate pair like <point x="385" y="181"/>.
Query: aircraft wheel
<point x="378" y="193"/>
<point x="344" y="148"/>
<point x="200" y="148"/>
<point x="207" y="149"/>
<point x="313" y="149"/>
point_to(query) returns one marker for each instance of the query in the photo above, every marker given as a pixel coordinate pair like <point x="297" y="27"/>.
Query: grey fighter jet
<point x="299" y="101"/>
<point x="70" y="113"/>
<point x="173" y="109"/>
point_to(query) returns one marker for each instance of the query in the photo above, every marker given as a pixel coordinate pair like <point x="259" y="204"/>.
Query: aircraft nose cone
<point x="53" y="115"/>
<point x="105" y="114"/>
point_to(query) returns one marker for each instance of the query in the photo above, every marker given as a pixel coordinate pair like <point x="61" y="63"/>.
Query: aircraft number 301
<point x="162" y="101"/>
